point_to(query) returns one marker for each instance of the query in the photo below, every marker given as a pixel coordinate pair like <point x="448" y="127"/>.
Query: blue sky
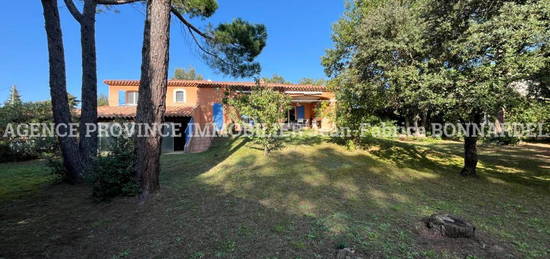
<point x="298" y="34"/>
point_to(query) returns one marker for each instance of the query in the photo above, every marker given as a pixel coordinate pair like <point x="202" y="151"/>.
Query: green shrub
<point x="6" y="155"/>
<point x="532" y="112"/>
<point x="504" y="139"/>
<point x="46" y="145"/>
<point x="113" y="174"/>
<point x="14" y="148"/>
<point x="55" y="164"/>
<point x="23" y="149"/>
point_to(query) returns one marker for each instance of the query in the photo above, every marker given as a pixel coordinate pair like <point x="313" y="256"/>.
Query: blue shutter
<point x="121" y="98"/>
<point x="300" y="111"/>
<point x="189" y="131"/>
<point x="218" y="116"/>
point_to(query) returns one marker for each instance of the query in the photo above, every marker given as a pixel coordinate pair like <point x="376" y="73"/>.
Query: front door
<point x="291" y="115"/>
<point x="181" y="126"/>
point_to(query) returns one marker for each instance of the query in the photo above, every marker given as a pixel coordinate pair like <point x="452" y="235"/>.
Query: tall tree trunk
<point x="152" y="92"/>
<point x="88" y="140"/>
<point x="58" y="91"/>
<point x="470" y="147"/>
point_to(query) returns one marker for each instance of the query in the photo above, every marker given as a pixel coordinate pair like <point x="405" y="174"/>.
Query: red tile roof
<point x="218" y="84"/>
<point x="111" y="112"/>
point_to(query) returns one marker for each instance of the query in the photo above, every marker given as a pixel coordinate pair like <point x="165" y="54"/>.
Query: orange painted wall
<point x="204" y="98"/>
<point x="308" y="111"/>
<point x="190" y="96"/>
<point x="193" y="96"/>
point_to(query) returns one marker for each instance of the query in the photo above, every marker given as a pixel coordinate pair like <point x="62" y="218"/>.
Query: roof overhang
<point x="304" y="92"/>
<point x="308" y="99"/>
<point x="244" y="86"/>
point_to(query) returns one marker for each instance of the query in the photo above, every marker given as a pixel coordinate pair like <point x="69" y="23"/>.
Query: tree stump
<point x="346" y="253"/>
<point x="450" y="226"/>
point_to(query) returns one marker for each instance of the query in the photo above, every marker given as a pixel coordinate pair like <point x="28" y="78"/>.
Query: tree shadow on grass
<point x="359" y="198"/>
<point x="518" y="165"/>
<point x="525" y="164"/>
<point x="195" y="222"/>
<point x="193" y="164"/>
<point x="407" y="155"/>
<point x="187" y="219"/>
<point x="299" y="139"/>
<point x="303" y="201"/>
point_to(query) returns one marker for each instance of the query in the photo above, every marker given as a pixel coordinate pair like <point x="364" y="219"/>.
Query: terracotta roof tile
<point x="130" y="111"/>
<point x="220" y="84"/>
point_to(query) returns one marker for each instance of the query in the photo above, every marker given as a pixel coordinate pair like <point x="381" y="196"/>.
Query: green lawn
<point x="21" y="179"/>
<point x="300" y="202"/>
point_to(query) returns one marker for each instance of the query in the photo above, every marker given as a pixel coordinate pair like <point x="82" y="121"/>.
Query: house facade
<point x="199" y="102"/>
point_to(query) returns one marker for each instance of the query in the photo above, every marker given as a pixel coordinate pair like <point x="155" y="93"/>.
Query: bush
<point x="113" y="174"/>
<point x="533" y="112"/>
<point x="504" y="139"/>
<point x="19" y="148"/>
<point x="6" y="154"/>
<point x="55" y="164"/>
<point x="23" y="149"/>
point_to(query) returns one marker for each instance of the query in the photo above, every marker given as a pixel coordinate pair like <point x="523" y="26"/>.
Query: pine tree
<point x="14" y="98"/>
<point x="229" y="48"/>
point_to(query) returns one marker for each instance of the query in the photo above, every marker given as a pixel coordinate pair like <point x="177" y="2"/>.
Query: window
<point x="179" y="96"/>
<point x="131" y="98"/>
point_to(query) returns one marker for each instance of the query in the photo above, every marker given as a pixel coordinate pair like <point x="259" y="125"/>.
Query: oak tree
<point x="457" y="58"/>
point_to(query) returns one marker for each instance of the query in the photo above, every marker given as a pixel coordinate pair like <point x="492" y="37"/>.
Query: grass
<point x="301" y="202"/>
<point x="21" y="179"/>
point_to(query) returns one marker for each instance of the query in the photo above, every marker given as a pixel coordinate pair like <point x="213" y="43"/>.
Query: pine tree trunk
<point x="58" y="91"/>
<point x="470" y="148"/>
<point x="152" y="92"/>
<point x="88" y="140"/>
